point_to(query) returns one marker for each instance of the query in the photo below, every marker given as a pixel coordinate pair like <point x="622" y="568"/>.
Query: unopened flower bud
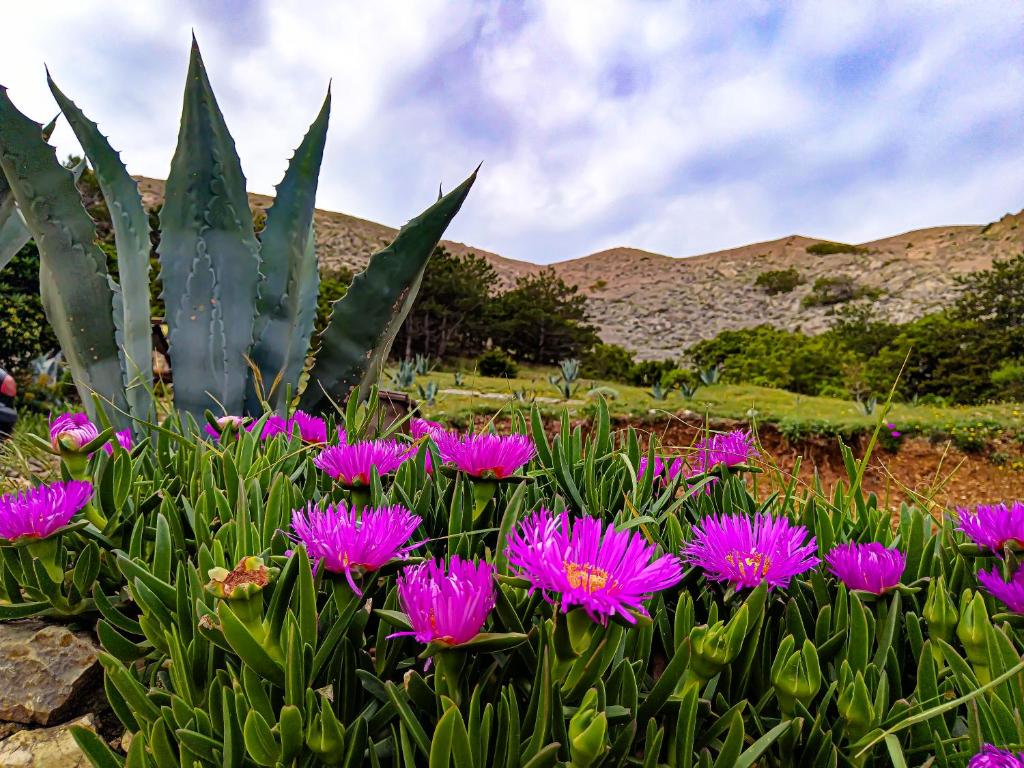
<point x="588" y="732"/>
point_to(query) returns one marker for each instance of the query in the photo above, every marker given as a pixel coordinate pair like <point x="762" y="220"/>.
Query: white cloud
<point x="676" y="127"/>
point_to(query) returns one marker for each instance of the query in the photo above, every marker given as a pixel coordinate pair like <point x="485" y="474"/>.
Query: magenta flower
<point x="663" y="473"/>
<point x="353" y="463"/>
<point x="312" y="429"/>
<point x="447" y="607"/>
<point x="730" y="449"/>
<point x="273" y="426"/>
<point x="994" y="526"/>
<point x="72" y="431"/>
<point x="38" y="512"/>
<point x="1011" y="592"/>
<point x="868" y="567"/>
<point x="342" y="542"/>
<point x="224" y="423"/>
<point x="747" y="552"/>
<point x="606" y="572"/>
<point x="993" y="757"/>
<point x="488" y="456"/>
<point x="124" y="439"/>
<point x="420" y="428"/>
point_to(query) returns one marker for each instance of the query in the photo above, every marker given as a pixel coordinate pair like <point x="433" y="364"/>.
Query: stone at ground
<point x="45" y="747"/>
<point x="45" y="670"/>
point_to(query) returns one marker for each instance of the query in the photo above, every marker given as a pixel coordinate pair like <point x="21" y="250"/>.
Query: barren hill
<point x="658" y="305"/>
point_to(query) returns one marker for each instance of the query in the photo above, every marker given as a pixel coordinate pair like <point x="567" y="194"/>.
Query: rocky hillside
<point x="658" y="305"/>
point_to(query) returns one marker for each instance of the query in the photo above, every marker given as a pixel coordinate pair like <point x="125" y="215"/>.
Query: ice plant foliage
<point x="746" y="552"/>
<point x="869" y="567"/>
<point x="488" y="456"/>
<point x="72" y="430"/>
<point x="1011" y="592"/>
<point x="993" y="757"/>
<point x="729" y="449"/>
<point x="994" y="526"/>
<point x="352" y="464"/>
<point x="38" y="512"/>
<point x="450" y="606"/>
<point x="342" y="541"/>
<point x="604" y="571"/>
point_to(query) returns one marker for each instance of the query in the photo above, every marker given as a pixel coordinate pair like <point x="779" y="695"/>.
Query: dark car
<point x="8" y="415"/>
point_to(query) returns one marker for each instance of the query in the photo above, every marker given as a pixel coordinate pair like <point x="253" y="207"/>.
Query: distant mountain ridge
<point x="657" y="305"/>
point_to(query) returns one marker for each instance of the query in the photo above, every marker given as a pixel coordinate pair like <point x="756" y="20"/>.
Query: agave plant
<point x="240" y="309"/>
<point x="405" y="375"/>
<point x="711" y="375"/>
<point x="659" y="392"/>
<point x="565" y="381"/>
<point x="429" y="392"/>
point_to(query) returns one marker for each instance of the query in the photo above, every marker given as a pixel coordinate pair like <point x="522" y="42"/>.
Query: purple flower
<point x="747" y="552"/>
<point x="312" y="429"/>
<point x="663" y="473"/>
<point x="895" y="433"/>
<point x="1011" y="592"/>
<point x="124" y="439"/>
<point x="224" y="424"/>
<point x="343" y="542"/>
<point x="273" y="426"/>
<point x="353" y="463"/>
<point x="993" y="757"/>
<point x="420" y="428"/>
<point x="38" y="512"/>
<point x="448" y="607"/>
<point x="488" y="456"/>
<point x="606" y="572"/>
<point x="730" y="449"/>
<point x="72" y="431"/>
<point x="994" y="526"/>
<point x="869" y="567"/>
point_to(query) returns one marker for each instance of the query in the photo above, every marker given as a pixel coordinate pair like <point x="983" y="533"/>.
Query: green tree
<point x="450" y="315"/>
<point x="542" y="319"/>
<point x="994" y="299"/>
<point x="24" y="330"/>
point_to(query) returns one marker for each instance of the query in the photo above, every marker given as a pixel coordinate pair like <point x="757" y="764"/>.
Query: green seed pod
<point x="940" y="614"/>
<point x="796" y="675"/>
<point x="855" y="708"/>
<point x="588" y="733"/>
<point x="973" y="633"/>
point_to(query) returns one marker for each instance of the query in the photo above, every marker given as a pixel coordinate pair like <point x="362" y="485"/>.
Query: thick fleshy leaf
<point x="209" y="257"/>
<point x="13" y="234"/>
<point x="363" y="324"/>
<point x="288" y="291"/>
<point x="131" y="234"/>
<point x="74" y="284"/>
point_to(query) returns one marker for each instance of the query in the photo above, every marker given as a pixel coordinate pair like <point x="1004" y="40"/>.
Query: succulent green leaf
<point x="364" y="322"/>
<point x="95" y="748"/>
<point x="131" y="235"/>
<point x="287" y="294"/>
<point x="209" y="257"/>
<point x="13" y="233"/>
<point x="74" y="284"/>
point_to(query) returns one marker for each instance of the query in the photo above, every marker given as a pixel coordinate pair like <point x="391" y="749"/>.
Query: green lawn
<point x="794" y="413"/>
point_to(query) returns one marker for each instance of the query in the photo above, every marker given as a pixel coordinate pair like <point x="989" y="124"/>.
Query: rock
<point x="45" y="747"/>
<point x="44" y="669"/>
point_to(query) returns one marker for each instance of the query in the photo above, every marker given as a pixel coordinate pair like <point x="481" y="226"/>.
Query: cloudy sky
<point x="676" y="127"/>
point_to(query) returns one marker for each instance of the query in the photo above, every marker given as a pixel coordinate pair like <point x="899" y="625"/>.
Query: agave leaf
<point x="74" y="283"/>
<point x="209" y="257"/>
<point x="364" y="322"/>
<point x="13" y="234"/>
<point x="131" y="234"/>
<point x="13" y="230"/>
<point x="290" y="276"/>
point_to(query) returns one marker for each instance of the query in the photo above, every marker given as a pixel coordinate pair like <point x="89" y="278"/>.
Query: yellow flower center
<point x="586" y="576"/>
<point x="749" y="563"/>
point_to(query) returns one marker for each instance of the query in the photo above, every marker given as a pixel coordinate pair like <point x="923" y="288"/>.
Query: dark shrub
<point x="496" y="362"/>
<point x="776" y="281"/>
